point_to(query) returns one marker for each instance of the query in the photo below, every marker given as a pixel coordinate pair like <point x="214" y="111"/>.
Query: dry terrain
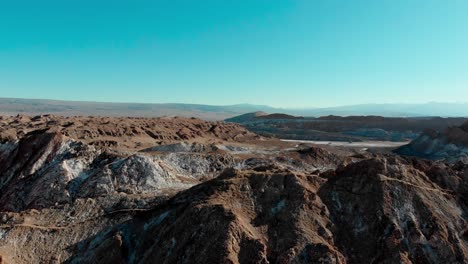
<point x="347" y="128"/>
<point x="184" y="190"/>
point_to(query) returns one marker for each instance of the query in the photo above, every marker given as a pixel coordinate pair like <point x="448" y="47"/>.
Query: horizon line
<point x="231" y="105"/>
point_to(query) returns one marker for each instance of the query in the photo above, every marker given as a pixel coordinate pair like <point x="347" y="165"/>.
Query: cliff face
<point x="450" y="145"/>
<point x="221" y="198"/>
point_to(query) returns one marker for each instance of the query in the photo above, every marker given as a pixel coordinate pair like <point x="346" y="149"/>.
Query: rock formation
<point x="450" y="145"/>
<point x="173" y="190"/>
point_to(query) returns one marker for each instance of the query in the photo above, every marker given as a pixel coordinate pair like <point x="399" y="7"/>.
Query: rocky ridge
<point x="129" y="133"/>
<point x="450" y="145"/>
<point x="219" y="195"/>
<point x="380" y="210"/>
<point x="342" y="128"/>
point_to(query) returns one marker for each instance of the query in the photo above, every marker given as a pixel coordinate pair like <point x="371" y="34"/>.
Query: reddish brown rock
<point x="240" y="217"/>
<point x="384" y="209"/>
<point x="450" y="145"/>
<point x="125" y="133"/>
<point x="78" y="190"/>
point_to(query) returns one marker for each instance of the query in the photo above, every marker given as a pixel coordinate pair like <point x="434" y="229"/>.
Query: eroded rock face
<point x="70" y="169"/>
<point x="381" y="210"/>
<point x="385" y="210"/>
<point x="124" y="133"/>
<point x="222" y="200"/>
<point x="58" y="186"/>
<point x="240" y="217"/>
<point x="450" y="145"/>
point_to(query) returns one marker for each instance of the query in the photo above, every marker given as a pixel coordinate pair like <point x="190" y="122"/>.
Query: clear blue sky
<point x="279" y="53"/>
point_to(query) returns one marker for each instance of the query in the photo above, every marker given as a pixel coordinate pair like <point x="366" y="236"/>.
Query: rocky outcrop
<point x="386" y="211"/>
<point x="59" y="187"/>
<point x="124" y="133"/>
<point x="70" y="169"/>
<point x="381" y="210"/>
<point x="220" y="198"/>
<point x="265" y="217"/>
<point x="450" y="145"/>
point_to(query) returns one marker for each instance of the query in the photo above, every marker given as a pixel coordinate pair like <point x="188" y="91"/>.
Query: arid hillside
<point x="123" y="133"/>
<point x="339" y="128"/>
<point x="450" y="144"/>
<point x="178" y="190"/>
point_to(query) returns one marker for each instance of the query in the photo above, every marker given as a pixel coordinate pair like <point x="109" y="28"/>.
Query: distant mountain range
<point x="391" y="110"/>
<point x="13" y="106"/>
